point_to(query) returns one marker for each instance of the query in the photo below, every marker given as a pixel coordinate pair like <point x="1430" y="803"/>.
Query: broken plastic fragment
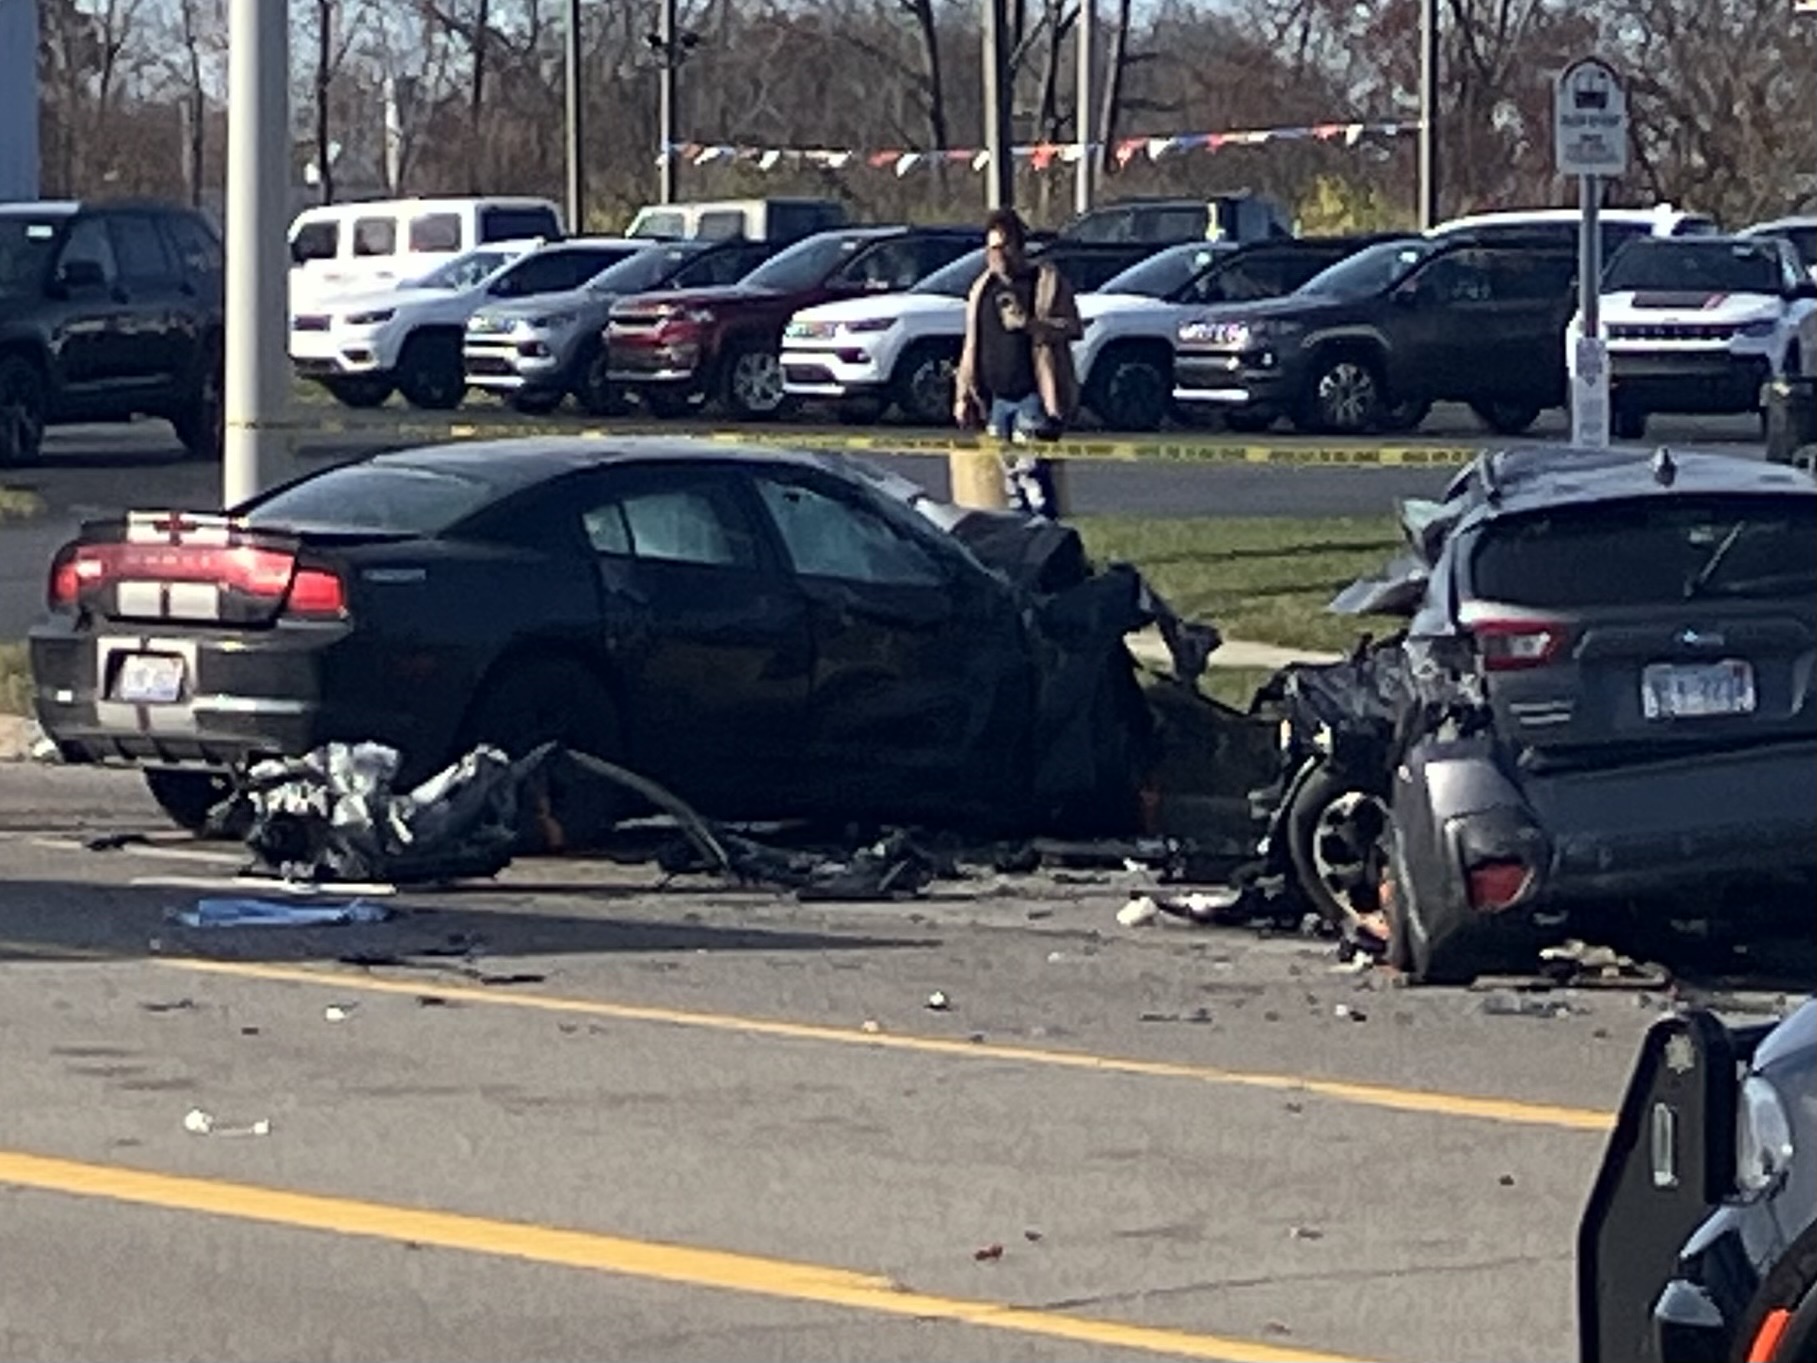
<point x="938" y="1002"/>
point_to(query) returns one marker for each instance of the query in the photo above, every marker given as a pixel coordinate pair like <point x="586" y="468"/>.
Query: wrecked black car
<point x="768" y="635"/>
<point x="1699" y="1240"/>
<point x="1600" y="710"/>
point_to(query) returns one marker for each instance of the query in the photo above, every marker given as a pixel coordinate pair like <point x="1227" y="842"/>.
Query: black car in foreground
<point x="766" y="634"/>
<point x="1699" y="1241"/>
<point x="1599" y="713"/>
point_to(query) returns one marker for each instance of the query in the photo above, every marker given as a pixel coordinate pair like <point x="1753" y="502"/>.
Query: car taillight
<point x="65" y="584"/>
<point x="316" y="591"/>
<point x="1495" y="885"/>
<point x="1511" y="645"/>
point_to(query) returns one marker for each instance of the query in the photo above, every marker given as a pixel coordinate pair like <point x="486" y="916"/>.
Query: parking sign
<point x="1590" y="120"/>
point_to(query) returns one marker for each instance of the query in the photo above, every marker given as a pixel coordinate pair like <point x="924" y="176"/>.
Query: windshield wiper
<point x="1701" y="578"/>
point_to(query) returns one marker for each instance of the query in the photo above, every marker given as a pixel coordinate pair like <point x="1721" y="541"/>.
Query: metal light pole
<point x="665" y="114"/>
<point x="1428" y="153"/>
<point x="1000" y="175"/>
<point x="1082" y="186"/>
<point x="257" y="390"/>
<point x="577" y="142"/>
<point x="19" y="151"/>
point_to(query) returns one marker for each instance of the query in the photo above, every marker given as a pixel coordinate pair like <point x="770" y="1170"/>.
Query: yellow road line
<point x="1337" y="1090"/>
<point x="689" y="1267"/>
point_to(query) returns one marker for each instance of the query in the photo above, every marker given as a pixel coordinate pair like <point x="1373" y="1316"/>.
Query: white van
<point x="378" y="244"/>
<point x="753" y="219"/>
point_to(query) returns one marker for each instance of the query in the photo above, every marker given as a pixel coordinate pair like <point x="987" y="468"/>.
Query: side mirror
<point x="1804" y="290"/>
<point x="81" y="274"/>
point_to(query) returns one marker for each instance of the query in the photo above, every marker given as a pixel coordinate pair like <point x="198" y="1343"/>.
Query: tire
<point x="541" y="700"/>
<point x="1344" y="397"/>
<point x="536" y="404"/>
<point x="750" y="383"/>
<point x="1133" y="394"/>
<point x="1505" y="416"/>
<point x="593" y="390"/>
<point x="1249" y="420"/>
<point x="1336" y="838"/>
<point x="22" y="412"/>
<point x="923" y="385"/>
<point x="202" y="425"/>
<point x="430" y="372"/>
<point x="360" y="391"/>
<point x="187" y="796"/>
<point x="1627" y="423"/>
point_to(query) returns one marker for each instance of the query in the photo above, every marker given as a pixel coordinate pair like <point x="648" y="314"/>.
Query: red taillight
<point x="65" y="584"/>
<point x="257" y="572"/>
<point x="1511" y="645"/>
<point x="1497" y="884"/>
<point x="316" y="591"/>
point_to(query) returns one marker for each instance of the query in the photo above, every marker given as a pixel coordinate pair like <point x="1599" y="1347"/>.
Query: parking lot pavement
<point x="580" y="1112"/>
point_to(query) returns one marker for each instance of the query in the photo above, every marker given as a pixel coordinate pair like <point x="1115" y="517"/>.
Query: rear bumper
<point x="280" y="692"/>
<point x="1688" y="380"/>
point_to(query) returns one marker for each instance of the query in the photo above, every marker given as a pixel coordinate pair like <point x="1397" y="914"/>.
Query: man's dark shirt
<point x="1006" y="361"/>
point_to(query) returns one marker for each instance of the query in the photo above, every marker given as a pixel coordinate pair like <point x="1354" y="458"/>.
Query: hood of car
<point x="872" y="306"/>
<point x="1689" y="306"/>
<point x="1093" y="305"/>
<point x="542" y="304"/>
<point x="378" y="300"/>
<point x="729" y="296"/>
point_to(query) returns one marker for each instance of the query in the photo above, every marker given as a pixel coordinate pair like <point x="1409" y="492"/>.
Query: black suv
<point x="1372" y="342"/>
<point x="108" y="311"/>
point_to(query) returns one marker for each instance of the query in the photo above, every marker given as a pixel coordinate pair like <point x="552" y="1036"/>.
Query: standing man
<point x="1015" y="374"/>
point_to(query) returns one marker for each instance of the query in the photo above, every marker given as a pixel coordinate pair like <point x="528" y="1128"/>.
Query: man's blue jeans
<point x="1029" y="481"/>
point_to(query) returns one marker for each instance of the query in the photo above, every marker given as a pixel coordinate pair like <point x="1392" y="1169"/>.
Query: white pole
<point x="1087" y="21"/>
<point x="257" y="389"/>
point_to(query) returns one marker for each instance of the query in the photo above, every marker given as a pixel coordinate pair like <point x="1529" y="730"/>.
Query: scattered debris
<point x="1197" y="1015"/>
<point x="113" y="842"/>
<point x="937" y="1002"/>
<point x="989" y="1254"/>
<point x="432" y="1001"/>
<point x="1275" y="1327"/>
<point x="1583" y="965"/>
<point x="479" y="977"/>
<point x="182" y="1005"/>
<point x="1506" y="1180"/>
<point x="870" y="1027"/>
<point x="1305" y="1233"/>
<point x="1349" y="1014"/>
<point x="201" y="1123"/>
<point x="265" y="913"/>
<point x="338" y="1012"/>
<point x="249" y="1031"/>
<point x="1525" y="1006"/>
<point x="1032" y="1236"/>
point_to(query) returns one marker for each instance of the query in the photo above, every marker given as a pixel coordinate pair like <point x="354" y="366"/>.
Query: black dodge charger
<point x="766" y="634"/>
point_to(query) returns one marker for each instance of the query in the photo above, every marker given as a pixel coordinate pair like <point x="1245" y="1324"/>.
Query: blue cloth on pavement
<point x="266" y="913"/>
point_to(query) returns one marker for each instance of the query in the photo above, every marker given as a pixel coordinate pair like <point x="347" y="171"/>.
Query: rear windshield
<point x="1650" y="553"/>
<point x="393" y="498"/>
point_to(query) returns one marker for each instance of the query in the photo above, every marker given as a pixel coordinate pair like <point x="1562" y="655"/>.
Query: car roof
<point x="515" y="464"/>
<point x="1658" y="215"/>
<point x="1539" y="477"/>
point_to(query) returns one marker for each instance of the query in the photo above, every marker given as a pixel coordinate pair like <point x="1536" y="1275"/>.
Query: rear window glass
<point x="435" y="232"/>
<point x="386" y="497"/>
<point x="517" y="224"/>
<point x="1656" y="552"/>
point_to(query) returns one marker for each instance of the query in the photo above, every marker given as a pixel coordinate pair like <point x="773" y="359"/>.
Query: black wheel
<point x="1406" y="416"/>
<point x="1627" y="422"/>
<point x="360" y="391"/>
<point x="1133" y="393"/>
<point x="750" y="383"/>
<point x="1505" y="416"/>
<point x="596" y="393"/>
<point x="202" y="425"/>
<point x="1249" y="420"/>
<point x="923" y="385"/>
<point x="544" y="700"/>
<point x="666" y="403"/>
<point x="430" y="372"/>
<point x="536" y="404"/>
<point x="187" y="796"/>
<point x="1337" y="837"/>
<point x="1345" y="397"/>
<point x="865" y="411"/>
<point x="22" y="411"/>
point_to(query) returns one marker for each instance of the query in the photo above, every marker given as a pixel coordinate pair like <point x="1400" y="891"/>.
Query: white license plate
<point x="1697" y="690"/>
<point x="149" y="679"/>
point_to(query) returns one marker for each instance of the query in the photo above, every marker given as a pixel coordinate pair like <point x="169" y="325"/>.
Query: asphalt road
<point x="705" y="1123"/>
<point x="100" y="470"/>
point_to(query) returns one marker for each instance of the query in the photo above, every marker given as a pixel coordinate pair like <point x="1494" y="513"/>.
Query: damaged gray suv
<point x="1600" y="715"/>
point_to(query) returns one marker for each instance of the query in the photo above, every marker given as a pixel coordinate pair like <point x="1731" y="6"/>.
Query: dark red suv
<point x="674" y="351"/>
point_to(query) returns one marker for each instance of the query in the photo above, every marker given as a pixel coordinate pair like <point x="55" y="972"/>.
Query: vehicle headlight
<point x="1763" y="1137"/>
<point x="1234" y="335"/>
<point x="869" y="324"/>
<point x="676" y="312"/>
<point x="1758" y="330"/>
<point x="370" y="319"/>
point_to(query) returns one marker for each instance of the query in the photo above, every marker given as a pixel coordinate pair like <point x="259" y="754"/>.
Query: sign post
<point x="1590" y="141"/>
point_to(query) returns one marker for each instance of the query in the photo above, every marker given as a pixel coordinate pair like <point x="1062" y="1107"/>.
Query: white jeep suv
<point x="362" y="347"/>
<point x="1700" y="324"/>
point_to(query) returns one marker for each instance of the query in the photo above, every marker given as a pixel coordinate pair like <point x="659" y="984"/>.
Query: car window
<point x="197" y="247"/>
<point x="374" y="236"/>
<point x="885" y="268"/>
<point x="556" y="270"/>
<point x="140" y="250"/>
<point x="1458" y="277"/>
<point x="435" y="232"/>
<point x="88" y="240"/>
<point x="719" y="224"/>
<point x="935" y="253"/>
<point x="1177" y="223"/>
<point x="1104" y="224"/>
<point x="828" y="537"/>
<point x="1531" y="276"/>
<point x="316" y="241"/>
<point x="26" y="247"/>
<point x="1247" y="279"/>
<point x="714" y="268"/>
<point x="699" y="524"/>
<point x="518" y="224"/>
<point x="374" y="496"/>
<point x="1655" y="552"/>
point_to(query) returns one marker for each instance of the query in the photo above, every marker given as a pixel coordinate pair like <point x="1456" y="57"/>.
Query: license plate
<point x="1697" y="690"/>
<point x="149" y="679"/>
